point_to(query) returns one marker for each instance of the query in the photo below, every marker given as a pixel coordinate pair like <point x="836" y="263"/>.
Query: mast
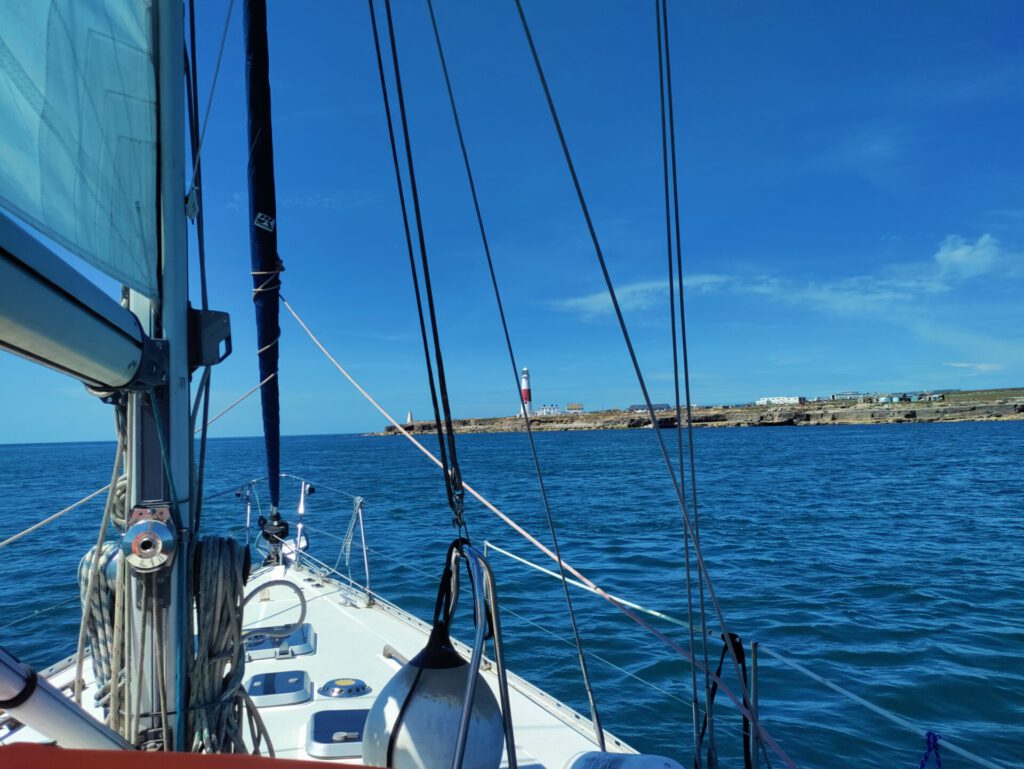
<point x="163" y="428"/>
<point x="51" y="314"/>
<point x="266" y="263"/>
<point x="160" y="432"/>
<point x="174" y="318"/>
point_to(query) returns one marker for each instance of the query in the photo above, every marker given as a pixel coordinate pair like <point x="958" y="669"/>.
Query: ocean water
<point x="886" y="558"/>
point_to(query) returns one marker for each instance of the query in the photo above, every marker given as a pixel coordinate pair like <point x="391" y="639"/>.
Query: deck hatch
<point x="288" y="687"/>
<point x="336" y="733"/>
<point x="270" y="645"/>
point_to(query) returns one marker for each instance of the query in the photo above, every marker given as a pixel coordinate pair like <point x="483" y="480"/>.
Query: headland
<point x="966" y="406"/>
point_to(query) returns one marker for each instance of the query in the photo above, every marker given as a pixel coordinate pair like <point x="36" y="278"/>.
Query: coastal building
<point x="548" y="410"/>
<point x="781" y="400"/>
<point x="642" y="408"/>
<point x="573" y="408"/>
<point x="894" y="398"/>
<point x="845" y="396"/>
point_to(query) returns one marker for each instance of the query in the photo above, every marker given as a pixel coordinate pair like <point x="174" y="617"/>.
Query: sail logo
<point x="265" y="222"/>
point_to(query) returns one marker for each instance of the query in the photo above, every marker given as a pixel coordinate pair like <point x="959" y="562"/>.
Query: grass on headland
<point x="975" y="396"/>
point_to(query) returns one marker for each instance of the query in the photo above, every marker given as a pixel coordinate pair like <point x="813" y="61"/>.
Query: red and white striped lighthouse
<point x="524" y="390"/>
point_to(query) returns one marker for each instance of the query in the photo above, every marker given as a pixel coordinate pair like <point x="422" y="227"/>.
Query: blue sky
<point x="852" y="213"/>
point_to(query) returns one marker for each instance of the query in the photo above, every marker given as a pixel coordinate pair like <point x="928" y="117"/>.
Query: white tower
<point x="524" y="390"/>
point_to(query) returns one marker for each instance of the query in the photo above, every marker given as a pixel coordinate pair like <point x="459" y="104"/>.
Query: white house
<point x="781" y="400"/>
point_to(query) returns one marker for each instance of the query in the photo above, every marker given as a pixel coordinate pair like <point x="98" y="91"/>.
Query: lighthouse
<point x="524" y="391"/>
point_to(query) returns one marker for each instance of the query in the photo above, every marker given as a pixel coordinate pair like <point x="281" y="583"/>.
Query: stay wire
<point x="599" y="732"/>
<point x="695" y="700"/>
<point x="197" y="188"/>
<point x="453" y="476"/>
<point x="411" y="250"/>
<point x="622" y="325"/>
<point x="213" y="90"/>
<point x="685" y="347"/>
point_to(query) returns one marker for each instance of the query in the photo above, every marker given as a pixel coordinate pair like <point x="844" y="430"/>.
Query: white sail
<point x="78" y="129"/>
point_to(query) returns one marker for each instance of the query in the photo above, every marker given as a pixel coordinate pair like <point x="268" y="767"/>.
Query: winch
<point x="149" y="542"/>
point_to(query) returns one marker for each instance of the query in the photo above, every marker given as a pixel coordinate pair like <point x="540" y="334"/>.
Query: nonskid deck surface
<point x="351" y="639"/>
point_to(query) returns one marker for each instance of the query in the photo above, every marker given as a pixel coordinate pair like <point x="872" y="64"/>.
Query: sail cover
<point x="266" y="264"/>
<point x="78" y="129"/>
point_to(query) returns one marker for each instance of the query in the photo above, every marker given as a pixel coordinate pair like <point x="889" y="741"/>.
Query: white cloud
<point x="976" y="368"/>
<point x="338" y="200"/>
<point x="850" y="296"/>
<point x="958" y="258"/>
<point x="641" y="295"/>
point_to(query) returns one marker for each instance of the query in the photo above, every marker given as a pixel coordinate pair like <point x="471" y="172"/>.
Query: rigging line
<point x="767" y="738"/>
<point x="197" y="188"/>
<point x="201" y="464"/>
<point x="622" y="325"/>
<point x="608" y="662"/>
<point x="548" y="631"/>
<point x="453" y="477"/>
<point x="165" y="460"/>
<point x="889" y="715"/>
<point x="412" y="257"/>
<point x="54" y="517"/>
<point x="682" y="312"/>
<point x="404" y="564"/>
<point x="194" y="414"/>
<point x="595" y="717"/>
<point x="94" y="565"/>
<point x="193" y="108"/>
<point x="234" y="403"/>
<point x="40" y="612"/>
<point x="209" y="101"/>
<point x="695" y="702"/>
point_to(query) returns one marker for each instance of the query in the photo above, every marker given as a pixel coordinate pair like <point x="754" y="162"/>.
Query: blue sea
<point x="888" y="559"/>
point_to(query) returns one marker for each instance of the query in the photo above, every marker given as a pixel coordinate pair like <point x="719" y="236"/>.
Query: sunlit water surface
<point x="889" y="559"/>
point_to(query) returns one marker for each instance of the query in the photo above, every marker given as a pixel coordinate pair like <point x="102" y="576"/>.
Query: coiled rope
<point x="218" y="704"/>
<point x="98" y="618"/>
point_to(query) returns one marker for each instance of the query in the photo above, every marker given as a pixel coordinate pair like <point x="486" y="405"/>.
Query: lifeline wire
<point x="767" y="738"/>
<point x="668" y="129"/>
<point x="625" y="332"/>
<point x="452" y="477"/>
<point x="595" y="717"/>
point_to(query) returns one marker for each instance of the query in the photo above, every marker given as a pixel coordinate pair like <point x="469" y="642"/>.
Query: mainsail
<point x="78" y="96"/>
<point x="266" y="264"/>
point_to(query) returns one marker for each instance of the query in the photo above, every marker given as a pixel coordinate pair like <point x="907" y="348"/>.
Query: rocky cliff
<point x="824" y="413"/>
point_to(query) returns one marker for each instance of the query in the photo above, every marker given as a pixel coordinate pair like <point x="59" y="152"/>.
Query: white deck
<point x="350" y="642"/>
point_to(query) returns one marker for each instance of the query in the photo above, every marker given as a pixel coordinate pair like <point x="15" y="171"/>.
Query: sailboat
<point x="189" y="641"/>
<point x="192" y="642"/>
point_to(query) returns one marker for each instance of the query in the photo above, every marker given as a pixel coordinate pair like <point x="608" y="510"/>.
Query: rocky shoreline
<point x="824" y="413"/>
